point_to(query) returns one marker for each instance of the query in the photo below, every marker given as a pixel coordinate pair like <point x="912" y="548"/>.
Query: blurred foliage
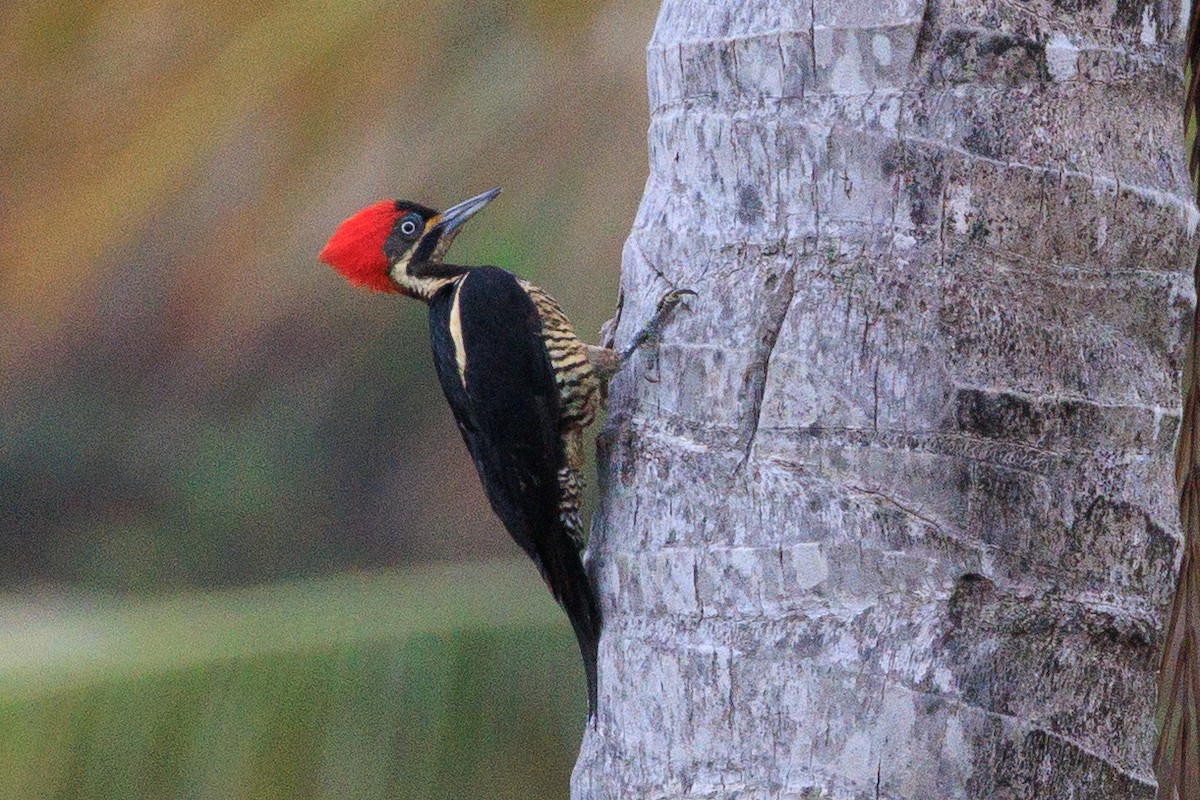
<point x="189" y="401"/>
<point x="186" y="397"/>
<point x="438" y="683"/>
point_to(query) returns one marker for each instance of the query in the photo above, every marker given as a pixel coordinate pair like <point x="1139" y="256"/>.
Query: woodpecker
<point x="521" y="385"/>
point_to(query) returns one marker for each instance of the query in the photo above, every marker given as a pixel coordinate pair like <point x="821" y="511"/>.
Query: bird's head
<point x="398" y="246"/>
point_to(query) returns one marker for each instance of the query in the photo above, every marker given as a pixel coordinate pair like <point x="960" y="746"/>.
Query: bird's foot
<point x="652" y="330"/>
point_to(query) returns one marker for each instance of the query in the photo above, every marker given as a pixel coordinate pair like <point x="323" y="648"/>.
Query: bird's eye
<point x="409" y="227"/>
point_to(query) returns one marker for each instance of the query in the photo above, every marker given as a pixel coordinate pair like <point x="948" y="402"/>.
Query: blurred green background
<point x="224" y="473"/>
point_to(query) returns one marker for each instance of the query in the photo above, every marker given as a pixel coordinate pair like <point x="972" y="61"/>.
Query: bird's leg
<point x="607" y="362"/>
<point x="652" y="330"/>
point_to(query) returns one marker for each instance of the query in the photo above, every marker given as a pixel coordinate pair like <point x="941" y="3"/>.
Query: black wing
<point x="506" y="405"/>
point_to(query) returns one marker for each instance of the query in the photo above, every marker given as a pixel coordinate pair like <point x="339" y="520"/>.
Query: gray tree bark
<point x="898" y="518"/>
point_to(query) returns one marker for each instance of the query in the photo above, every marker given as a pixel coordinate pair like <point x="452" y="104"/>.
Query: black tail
<point x="563" y="572"/>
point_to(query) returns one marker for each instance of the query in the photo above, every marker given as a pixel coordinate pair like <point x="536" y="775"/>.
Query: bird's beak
<point x="456" y="215"/>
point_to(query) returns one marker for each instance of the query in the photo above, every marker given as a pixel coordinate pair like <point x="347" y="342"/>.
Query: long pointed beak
<point x="456" y="215"/>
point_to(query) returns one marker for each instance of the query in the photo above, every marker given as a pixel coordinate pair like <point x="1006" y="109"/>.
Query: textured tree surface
<point x="897" y="518"/>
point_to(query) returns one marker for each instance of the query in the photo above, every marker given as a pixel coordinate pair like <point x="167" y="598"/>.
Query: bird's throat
<point x="424" y="279"/>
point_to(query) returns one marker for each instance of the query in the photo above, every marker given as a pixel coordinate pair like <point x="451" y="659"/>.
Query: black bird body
<point x="498" y="375"/>
<point x="521" y="385"/>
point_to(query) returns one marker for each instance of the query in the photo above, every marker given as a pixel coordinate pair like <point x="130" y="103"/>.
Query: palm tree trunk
<point x="897" y="518"/>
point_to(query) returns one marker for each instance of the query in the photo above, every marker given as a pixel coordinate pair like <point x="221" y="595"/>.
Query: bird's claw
<point x="649" y="335"/>
<point x="662" y="311"/>
<point x="671" y="299"/>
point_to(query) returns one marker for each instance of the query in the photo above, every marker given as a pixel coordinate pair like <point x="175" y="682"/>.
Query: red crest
<point x="356" y="247"/>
